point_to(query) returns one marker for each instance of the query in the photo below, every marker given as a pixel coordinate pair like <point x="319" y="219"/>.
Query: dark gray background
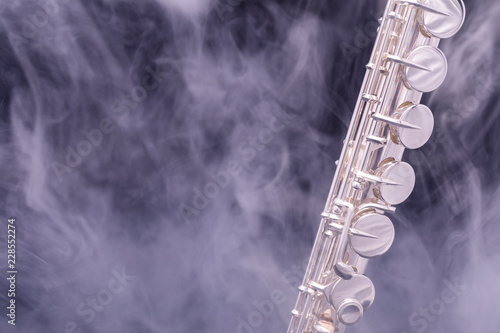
<point x="223" y="71"/>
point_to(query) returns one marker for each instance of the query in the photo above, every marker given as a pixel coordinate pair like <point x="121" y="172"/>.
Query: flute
<point x="370" y="179"/>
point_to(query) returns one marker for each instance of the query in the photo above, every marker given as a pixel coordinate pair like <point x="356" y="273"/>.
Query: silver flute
<point x="371" y="178"/>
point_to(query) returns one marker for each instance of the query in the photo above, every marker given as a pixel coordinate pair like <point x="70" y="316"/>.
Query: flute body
<point x="370" y="179"/>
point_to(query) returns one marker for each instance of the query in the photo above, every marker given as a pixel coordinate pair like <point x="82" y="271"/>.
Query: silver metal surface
<point x="403" y="180"/>
<point x="444" y="26"/>
<point x="381" y="235"/>
<point x="324" y="327"/>
<point x="426" y="80"/>
<point x="420" y="116"/>
<point x="350" y="298"/>
<point x="370" y="178"/>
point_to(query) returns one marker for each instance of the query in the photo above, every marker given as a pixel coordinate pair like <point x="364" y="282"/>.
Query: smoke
<point x="166" y="163"/>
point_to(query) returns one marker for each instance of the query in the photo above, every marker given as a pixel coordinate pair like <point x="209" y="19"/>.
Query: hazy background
<point x="116" y="115"/>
